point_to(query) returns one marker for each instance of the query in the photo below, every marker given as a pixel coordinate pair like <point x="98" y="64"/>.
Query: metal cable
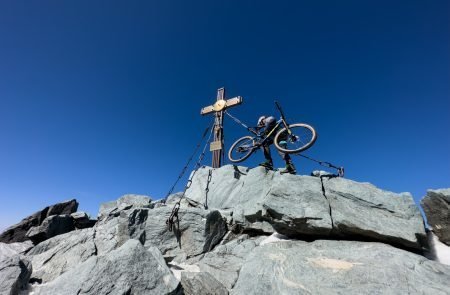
<point x="174" y="215"/>
<point x="236" y="119"/>
<point x="187" y="164"/>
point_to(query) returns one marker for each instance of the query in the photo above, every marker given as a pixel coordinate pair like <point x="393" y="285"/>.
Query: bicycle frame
<point x="265" y="138"/>
<point x="282" y="135"/>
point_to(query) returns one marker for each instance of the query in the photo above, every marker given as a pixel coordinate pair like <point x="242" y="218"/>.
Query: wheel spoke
<point x="241" y="149"/>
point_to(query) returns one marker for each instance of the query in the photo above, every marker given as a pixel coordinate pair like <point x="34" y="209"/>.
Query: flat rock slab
<point x="130" y="269"/>
<point x="361" y="209"/>
<point x="436" y="205"/>
<point x="15" y="272"/>
<point x="296" y="205"/>
<point x="339" y="267"/>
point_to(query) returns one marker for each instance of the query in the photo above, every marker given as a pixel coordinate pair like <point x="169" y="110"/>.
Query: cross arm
<point x="221" y="105"/>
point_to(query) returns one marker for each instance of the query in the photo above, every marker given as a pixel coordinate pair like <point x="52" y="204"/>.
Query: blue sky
<point x="102" y="98"/>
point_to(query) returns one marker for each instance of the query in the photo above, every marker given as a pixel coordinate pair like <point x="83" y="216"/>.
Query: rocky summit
<point x="237" y="231"/>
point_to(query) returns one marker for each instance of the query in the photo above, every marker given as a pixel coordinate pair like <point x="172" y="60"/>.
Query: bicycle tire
<point x="239" y="144"/>
<point x="297" y="130"/>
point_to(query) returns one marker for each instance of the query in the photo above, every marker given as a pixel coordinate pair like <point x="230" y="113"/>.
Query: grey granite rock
<point x="225" y="261"/>
<point x="294" y="205"/>
<point x="125" y="202"/>
<point x="436" y="205"/>
<point x="339" y="267"/>
<point x="121" y="220"/>
<point x="201" y="283"/>
<point x="9" y="250"/>
<point x="361" y="209"/>
<point x="17" y="232"/>
<point x="215" y="230"/>
<point x="195" y="233"/>
<point x="51" y="226"/>
<point x="112" y="231"/>
<point x="81" y="220"/>
<point x="15" y="272"/>
<point x="187" y="238"/>
<point x="59" y="254"/>
<point x="130" y="269"/>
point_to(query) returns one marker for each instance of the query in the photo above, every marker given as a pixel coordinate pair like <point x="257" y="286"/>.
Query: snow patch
<point x="178" y="268"/>
<point x="275" y="237"/>
<point x="439" y="251"/>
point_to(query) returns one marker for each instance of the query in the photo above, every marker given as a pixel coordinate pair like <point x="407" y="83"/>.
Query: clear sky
<point x="102" y="98"/>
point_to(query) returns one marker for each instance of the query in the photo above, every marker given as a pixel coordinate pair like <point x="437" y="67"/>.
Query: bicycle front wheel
<point x="241" y="149"/>
<point x="301" y="137"/>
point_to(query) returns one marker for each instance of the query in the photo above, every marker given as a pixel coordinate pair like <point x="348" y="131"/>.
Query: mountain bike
<point x="291" y="139"/>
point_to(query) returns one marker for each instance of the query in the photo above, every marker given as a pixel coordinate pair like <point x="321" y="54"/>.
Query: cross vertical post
<point x="218" y="108"/>
<point x="218" y="132"/>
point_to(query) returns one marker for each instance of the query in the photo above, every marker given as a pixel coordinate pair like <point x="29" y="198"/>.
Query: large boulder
<point x="436" y="205"/>
<point x="59" y="254"/>
<point x="51" y="226"/>
<point x="133" y="217"/>
<point x="130" y="269"/>
<point x="17" y="232"/>
<point x="81" y="220"/>
<point x="363" y="210"/>
<point x="197" y="231"/>
<point x="15" y="272"/>
<point x="118" y="220"/>
<point x="125" y="202"/>
<point x="296" y="205"/>
<point x="339" y="267"/>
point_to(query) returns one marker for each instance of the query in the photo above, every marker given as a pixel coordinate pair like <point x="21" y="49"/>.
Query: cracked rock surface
<point x="296" y="205"/>
<point x="251" y="232"/>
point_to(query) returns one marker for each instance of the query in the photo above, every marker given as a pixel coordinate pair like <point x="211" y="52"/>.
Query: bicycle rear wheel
<point x="241" y="149"/>
<point x="301" y="137"/>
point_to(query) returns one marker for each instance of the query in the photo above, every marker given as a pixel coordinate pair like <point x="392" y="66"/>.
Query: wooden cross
<point x="218" y="108"/>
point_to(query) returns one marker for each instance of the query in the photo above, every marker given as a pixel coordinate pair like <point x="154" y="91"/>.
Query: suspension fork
<point x="286" y="126"/>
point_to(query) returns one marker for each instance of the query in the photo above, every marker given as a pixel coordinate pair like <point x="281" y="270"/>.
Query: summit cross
<point x="216" y="147"/>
